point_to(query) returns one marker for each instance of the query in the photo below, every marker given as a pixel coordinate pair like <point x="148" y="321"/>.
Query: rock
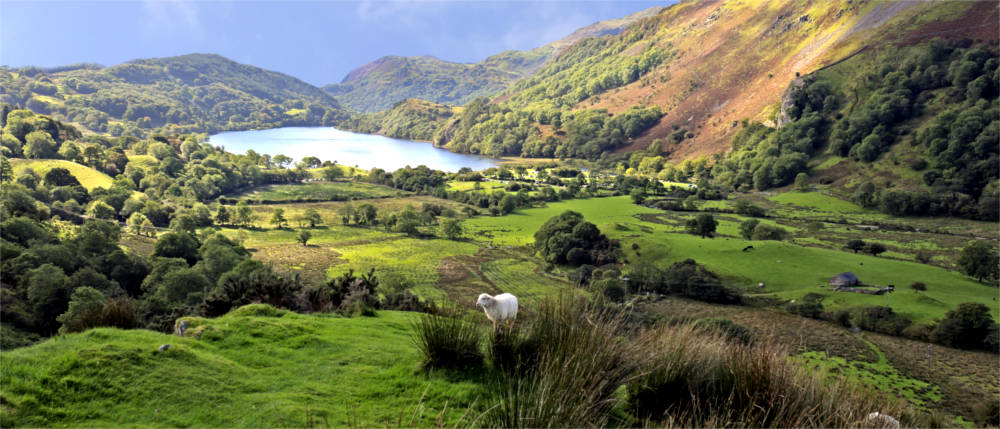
<point x="164" y="347"/>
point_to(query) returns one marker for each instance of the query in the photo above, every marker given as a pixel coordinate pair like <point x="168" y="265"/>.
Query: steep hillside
<point x="190" y="93"/>
<point x="411" y="119"/>
<point x="730" y="60"/>
<point x="379" y="84"/>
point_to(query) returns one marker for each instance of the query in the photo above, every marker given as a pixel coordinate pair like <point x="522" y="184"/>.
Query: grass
<point x="525" y="280"/>
<point x="788" y="270"/>
<point x="256" y="366"/>
<point x="88" y="177"/>
<point x="817" y="201"/>
<point x="330" y="191"/>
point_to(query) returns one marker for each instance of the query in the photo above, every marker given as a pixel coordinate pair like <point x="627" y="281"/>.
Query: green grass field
<point x="318" y="191"/>
<point x="789" y="271"/>
<point x="255" y="367"/>
<point x="88" y="177"/>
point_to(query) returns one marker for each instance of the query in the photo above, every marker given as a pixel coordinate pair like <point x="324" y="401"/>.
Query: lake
<point x="363" y="150"/>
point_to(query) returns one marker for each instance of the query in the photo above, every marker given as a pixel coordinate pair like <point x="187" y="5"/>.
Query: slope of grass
<point x="332" y="191"/>
<point x="788" y="270"/>
<point x="256" y="366"/>
<point x="88" y="177"/>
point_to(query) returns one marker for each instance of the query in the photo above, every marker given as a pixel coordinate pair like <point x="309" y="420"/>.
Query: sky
<point x="318" y="41"/>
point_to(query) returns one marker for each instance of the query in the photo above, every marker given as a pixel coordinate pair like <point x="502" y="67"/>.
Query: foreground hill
<point x="256" y="366"/>
<point x="379" y="84"/>
<point x="189" y="93"/>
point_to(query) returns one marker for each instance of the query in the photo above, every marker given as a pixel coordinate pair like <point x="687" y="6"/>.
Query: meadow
<point x="256" y="366"/>
<point x="88" y="177"/>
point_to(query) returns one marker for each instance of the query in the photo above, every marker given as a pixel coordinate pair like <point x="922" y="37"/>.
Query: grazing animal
<point x="882" y="420"/>
<point x="748" y="248"/>
<point x="498" y="308"/>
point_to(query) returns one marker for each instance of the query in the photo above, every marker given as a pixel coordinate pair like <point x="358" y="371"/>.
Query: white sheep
<point x="881" y="420"/>
<point x="498" y="308"/>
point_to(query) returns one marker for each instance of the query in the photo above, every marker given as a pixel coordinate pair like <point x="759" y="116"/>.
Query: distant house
<point x="845" y="279"/>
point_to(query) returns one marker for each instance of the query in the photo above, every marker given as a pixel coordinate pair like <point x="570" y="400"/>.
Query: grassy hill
<point x="88" y="177"/>
<point x="256" y="366"/>
<point x="380" y="84"/>
<point x="189" y="93"/>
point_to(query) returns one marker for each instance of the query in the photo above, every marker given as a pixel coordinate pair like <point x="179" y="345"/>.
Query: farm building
<point x="845" y="279"/>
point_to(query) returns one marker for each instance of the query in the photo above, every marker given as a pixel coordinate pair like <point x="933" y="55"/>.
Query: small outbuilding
<point x="847" y="279"/>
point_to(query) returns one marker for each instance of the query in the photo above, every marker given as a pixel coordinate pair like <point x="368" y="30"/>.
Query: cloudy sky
<point x="318" y="41"/>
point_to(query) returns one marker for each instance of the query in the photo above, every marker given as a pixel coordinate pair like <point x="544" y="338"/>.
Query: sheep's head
<point x="485" y="300"/>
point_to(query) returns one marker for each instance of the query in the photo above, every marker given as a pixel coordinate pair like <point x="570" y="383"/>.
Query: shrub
<point x="880" y="319"/>
<point x="918" y="286"/>
<point x="767" y="232"/>
<point x="967" y="326"/>
<point x="448" y="341"/>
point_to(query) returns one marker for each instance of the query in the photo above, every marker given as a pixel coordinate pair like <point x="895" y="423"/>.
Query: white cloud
<point x="171" y="16"/>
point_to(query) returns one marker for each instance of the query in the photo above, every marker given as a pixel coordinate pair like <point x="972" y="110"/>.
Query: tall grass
<point x="569" y="361"/>
<point x="448" y="340"/>
<point x="695" y="379"/>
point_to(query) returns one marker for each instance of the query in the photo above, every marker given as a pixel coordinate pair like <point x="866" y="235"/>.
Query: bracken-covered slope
<point x="380" y="84"/>
<point x="731" y="60"/>
<point x="189" y="93"/>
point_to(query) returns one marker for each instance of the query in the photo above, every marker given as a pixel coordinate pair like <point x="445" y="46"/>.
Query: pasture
<point x="88" y="177"/>
<point x="256" y="366"/>
<point x="321" y="191"/>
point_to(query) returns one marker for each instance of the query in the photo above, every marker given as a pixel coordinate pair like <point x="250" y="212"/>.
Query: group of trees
<point x="568" y="239"/>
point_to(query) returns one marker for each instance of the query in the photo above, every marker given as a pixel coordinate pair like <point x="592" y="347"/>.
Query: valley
<point x="719" y="213"/>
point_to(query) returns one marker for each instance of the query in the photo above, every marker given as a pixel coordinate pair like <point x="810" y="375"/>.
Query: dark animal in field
<point x="748" y="248"/>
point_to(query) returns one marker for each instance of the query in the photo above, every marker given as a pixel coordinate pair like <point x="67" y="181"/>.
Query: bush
<point x="920" y="286"/>
<point x="767" y="232"/>
<point x="880" y="319"/>
<point x="967" y="326"/>
<point x="448" y="341"/>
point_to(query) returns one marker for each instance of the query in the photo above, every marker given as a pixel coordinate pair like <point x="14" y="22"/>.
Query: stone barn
<point x="847" y="279"/>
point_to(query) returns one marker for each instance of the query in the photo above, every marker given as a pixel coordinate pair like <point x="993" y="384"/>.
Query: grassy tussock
<point x="569" y="361"/>
<point x="692" y="378"/>
<point x="448" y="341"/>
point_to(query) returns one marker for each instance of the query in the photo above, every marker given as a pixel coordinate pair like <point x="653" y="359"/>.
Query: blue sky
<point x="316" y="41"/>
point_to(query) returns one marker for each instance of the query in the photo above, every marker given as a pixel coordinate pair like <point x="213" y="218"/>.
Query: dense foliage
<point x="568" y="239"/>
<point x="190" y="93"/>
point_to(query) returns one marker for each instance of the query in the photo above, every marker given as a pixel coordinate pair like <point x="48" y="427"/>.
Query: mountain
<point x="379" y="84"/>
<point x="188" y="93"/>
<point x="700" y="68"/>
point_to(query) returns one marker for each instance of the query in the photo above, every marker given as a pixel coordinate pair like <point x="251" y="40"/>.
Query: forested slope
<point x="189" y="93"/>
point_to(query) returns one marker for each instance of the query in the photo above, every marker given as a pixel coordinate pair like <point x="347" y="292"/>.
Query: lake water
<point x="363" y="150"/>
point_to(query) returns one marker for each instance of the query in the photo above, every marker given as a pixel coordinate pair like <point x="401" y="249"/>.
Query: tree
<point x="979" y="260"/>
<point x="303" y="237"/>
<point x="875" y="249"/>
<point x="508" y="203"/>
<point x="281" y="160"/>
<point x="347" y="212"/>
<point x="222" y="216"/>
<point x="451" y="228"/>
<point x="177" y="244"/>
<point x="278" y="218"/>
<point x="69" y="151"/>
<point x="802" y="182"/>
<point x="47" y="295"/>
<point x="84" y="310"/>
<point x="638" y="195"/>
<point x="244" y="214"/>
<point x="311" y="162"/>
<point x="60" y="177"/>
<point x="332" y="173"/>
<point x="855" y="245"/>
<point x="312" y="217"/>
<point x="747" y="227"/>
<point x="966" y="326"/>
<point x="39" y="144"/>
<point x="703" y="225"/>
<point x="569" y="239"/>
<point x="136" y="223"/>
<point x="101" y="210"/>
<point x="367" y="214"/>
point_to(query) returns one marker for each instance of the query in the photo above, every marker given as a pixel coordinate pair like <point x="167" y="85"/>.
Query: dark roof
<point x="847" y="277"/>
